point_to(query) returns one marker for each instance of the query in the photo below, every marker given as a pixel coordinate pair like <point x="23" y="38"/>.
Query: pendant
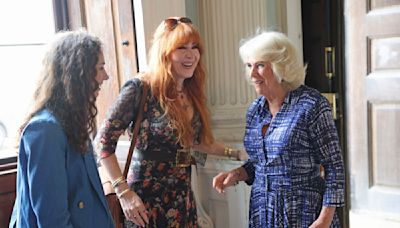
<point x="185" y="106"/>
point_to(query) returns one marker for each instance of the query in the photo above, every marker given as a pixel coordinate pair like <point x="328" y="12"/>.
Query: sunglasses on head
<point x="171" y="23"/>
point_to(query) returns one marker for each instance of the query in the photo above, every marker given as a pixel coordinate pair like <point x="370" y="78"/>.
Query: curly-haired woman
<point x="57" y="180"/>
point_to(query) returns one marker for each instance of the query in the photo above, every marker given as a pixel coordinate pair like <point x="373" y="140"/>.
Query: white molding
<point x="294" y="26"/>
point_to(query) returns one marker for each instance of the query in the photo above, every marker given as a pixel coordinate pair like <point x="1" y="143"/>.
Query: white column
<point x="294" y="27"/>
<point x="223" y="24"/>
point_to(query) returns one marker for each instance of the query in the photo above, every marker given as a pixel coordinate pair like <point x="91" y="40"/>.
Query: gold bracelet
<point x="123" y="193"/>
<point x="117" y="182"/>
<point x="230" y="152"/>
<point x="105" y="182"/>
<point x="226" y="150"/>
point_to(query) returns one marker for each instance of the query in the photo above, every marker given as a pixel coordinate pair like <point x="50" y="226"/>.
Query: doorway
<point x="323" y="46"/>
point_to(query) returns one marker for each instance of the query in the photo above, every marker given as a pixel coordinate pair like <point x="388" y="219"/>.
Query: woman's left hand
<point x="224" y="180"/>
<point x="325" y="218"/>
<point x="320" y="224"/>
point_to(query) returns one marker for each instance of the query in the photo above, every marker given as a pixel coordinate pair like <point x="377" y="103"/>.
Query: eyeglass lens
<point x="171" y="23"/>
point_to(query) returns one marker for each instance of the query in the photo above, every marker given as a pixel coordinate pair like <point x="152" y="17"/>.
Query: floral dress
<point x="164" y="188"/>
<point x="285" y="154"/>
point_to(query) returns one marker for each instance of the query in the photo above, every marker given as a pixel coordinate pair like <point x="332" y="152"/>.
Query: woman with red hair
<point x="157" y="192"/>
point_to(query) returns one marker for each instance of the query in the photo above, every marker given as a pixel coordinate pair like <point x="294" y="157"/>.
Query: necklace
<point x="182" y="101"/>
<point x="185" y="106"/>
<point x="180" y="93"/>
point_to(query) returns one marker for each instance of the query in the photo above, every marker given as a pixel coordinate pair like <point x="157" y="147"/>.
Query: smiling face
<point x="184" y="60"/>
<point x="101" y="74"/>
<point x="262" y="77"/>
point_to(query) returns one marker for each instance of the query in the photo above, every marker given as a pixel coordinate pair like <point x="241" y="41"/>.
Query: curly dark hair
<point x="67" y="85"/>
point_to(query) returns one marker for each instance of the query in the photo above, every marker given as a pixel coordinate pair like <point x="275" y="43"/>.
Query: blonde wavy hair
<point x="276" y="49"/>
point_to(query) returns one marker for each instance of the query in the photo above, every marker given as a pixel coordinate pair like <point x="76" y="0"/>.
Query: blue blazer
<point x="56" y="185"/>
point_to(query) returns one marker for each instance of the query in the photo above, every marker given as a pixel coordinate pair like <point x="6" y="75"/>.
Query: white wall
<point x="148" y="15"/>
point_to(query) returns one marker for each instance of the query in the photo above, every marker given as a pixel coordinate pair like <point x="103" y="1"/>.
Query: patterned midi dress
<point x="284" y="161"/>
<point x="164" y="188"/>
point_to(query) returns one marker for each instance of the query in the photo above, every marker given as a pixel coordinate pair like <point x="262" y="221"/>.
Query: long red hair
<point x="163" y="83"/>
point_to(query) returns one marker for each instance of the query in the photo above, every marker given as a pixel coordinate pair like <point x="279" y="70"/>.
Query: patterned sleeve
<point x="326" y="142"/>
<point x="249" y="164"/>
<point x="119" y="117"/>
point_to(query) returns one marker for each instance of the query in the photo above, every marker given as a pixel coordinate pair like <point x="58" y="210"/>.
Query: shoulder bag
<point x="112" y="199"/>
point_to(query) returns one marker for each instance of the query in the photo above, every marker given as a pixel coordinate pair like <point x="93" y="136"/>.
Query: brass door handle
<point x="329" y="62"/>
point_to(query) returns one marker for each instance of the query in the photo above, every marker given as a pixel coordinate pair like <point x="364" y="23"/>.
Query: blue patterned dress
<point x="284" y="164"/>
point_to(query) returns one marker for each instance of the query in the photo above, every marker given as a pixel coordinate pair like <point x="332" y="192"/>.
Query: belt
<point x="179" y="157"/>
<point x="279" y="183"/>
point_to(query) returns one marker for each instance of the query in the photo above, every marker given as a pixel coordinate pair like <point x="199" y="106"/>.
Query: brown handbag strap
<point x="138" y="120"/>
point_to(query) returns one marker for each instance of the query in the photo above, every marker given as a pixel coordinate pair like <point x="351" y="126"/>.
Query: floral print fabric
<point x="164" y="188"/>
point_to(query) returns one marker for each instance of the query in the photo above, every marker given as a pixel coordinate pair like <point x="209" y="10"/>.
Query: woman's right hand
<point x="224" y="180"/>
<point x="134" y="208"/>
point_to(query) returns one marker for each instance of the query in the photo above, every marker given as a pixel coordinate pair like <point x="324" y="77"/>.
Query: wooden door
<point x="113" y="22"/>
<point x="100" y="21"/>
<point x="373" y="105"/>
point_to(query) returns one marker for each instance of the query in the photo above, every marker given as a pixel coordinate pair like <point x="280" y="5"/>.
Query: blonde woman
<point x="289" y="134"/>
